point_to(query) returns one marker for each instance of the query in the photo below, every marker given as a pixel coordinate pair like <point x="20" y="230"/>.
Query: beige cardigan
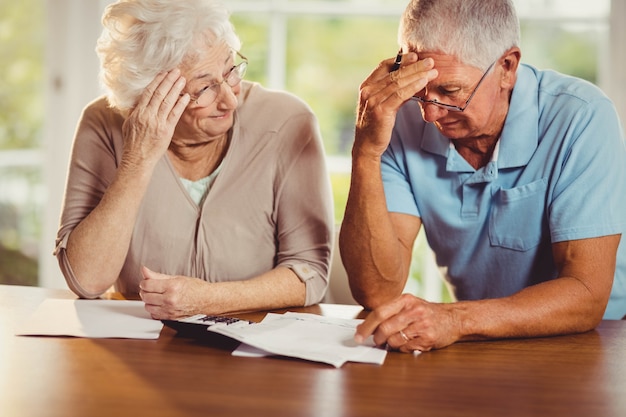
<point x="270" y="206"/>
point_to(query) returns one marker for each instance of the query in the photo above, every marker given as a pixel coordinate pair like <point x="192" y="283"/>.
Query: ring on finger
<point x="404" y="336"/>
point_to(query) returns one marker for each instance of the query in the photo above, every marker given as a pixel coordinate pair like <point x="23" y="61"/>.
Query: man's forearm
<point x="368" y="243"/>
<point x="560" y="306"/>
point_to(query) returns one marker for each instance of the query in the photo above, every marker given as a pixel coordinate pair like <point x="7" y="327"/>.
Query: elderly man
<point x="518" y="176"/>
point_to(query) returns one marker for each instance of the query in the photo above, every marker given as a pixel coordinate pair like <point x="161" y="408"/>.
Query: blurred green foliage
<point x="567" y="48"/>
<point x="21" y="73"/>
<point x="254" y="36"/>
<point x="340" y="183"/>
<point x="327" y="59"/>
<point x="21" y="119"/>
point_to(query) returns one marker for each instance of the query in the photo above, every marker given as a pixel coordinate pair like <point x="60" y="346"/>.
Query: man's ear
<point x="509" y="62"/>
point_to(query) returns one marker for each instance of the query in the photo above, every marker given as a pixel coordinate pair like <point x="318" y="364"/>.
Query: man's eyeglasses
<point x="233" y="77"/>
<point x="452" y="107"/>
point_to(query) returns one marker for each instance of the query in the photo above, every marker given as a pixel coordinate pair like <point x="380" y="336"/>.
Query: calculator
<point x="196" y="326"/>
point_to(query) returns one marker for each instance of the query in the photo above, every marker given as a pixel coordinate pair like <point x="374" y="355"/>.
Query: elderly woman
<point x="204" y="193"/>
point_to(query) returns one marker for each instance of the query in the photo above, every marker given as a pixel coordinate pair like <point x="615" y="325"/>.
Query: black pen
<point x="398" y="61"/>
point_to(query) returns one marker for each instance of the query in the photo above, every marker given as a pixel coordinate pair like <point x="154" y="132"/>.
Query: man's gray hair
<point x="477" y="32"/>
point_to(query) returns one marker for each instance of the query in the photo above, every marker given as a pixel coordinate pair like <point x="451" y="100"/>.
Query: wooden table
<point x="578" y="375"/>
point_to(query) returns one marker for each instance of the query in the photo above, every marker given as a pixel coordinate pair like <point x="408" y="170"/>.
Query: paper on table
<point x="92" y="318"/>
<point x="305" y="336"/>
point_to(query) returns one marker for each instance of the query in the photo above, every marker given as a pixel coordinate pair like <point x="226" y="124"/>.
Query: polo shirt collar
<point x="520" y="136"/>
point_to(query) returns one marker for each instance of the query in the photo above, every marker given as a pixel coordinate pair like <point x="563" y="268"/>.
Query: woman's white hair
<point x="144" y="37"/>
<point x="476" y="32"/>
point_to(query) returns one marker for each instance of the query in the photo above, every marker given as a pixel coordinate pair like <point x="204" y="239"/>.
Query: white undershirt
<point x="198" y="189"/>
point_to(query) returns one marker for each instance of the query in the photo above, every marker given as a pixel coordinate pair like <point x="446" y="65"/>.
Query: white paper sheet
<point x="305" y="336"/>
<point x="92" y="318"/>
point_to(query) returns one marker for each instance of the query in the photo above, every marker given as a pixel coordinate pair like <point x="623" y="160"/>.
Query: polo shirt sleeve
<point x="589" y="194"/>
<point x="398" y="192"/>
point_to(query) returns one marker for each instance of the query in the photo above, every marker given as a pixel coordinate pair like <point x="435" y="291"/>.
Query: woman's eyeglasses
<point x="233" y="77"/>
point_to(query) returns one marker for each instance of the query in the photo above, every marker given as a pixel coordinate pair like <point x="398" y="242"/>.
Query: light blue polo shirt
<point x="559" y="174"/>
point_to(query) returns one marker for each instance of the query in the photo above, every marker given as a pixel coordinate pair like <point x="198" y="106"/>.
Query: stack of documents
<point x="299" y="335"/>
<point x="305" y="336"/>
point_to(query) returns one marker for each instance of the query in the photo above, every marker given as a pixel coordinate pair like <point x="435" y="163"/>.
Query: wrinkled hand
<point x="150" y="126"/>
<point x="170" y="297"/>
<point x="409" y="323"/>
<point x="382" y="94"/>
